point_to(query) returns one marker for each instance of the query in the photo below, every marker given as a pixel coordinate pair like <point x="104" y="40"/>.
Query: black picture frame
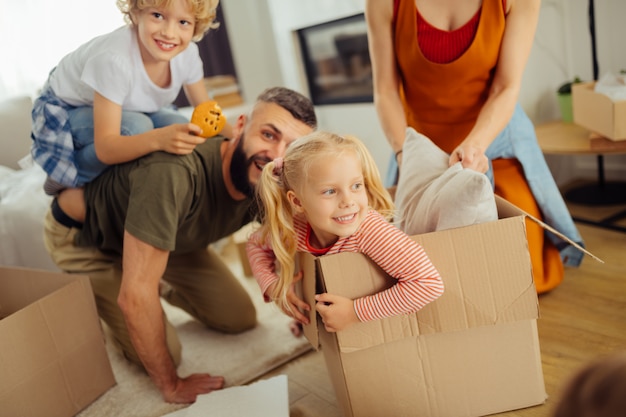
<point x="336" y="61"/>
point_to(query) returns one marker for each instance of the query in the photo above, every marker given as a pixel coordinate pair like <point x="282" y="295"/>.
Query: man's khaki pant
<point x="200" y="283"/>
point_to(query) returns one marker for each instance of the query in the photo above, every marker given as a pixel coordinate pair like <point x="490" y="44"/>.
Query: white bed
<point x="23" y="203"/>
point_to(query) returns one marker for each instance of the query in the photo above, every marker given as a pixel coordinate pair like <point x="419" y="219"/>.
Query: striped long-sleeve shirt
<point x="395" y="252"/>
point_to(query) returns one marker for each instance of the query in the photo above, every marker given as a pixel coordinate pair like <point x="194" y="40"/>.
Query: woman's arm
<point x="521" y="23"/>
<point x="379" y="15"/>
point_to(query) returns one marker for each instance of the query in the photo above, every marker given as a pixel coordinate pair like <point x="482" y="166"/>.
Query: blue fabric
<point x="53" y="146"/>
<point x="81" y="127"/>
<point x="518" y="140"/>
<point x="63" y="137"/>
<point x="133" y="123"/>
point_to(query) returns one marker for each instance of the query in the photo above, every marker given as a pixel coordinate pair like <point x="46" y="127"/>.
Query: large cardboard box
<point x="597" y="112"/>
<point x="53" y="360"/>
<point x="472" y="352"/>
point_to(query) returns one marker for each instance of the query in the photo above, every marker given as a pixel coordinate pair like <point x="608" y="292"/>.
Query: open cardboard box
<point x="53" y="360"/>
<point x="472" y="352"/>
<point x="597" y="112"/>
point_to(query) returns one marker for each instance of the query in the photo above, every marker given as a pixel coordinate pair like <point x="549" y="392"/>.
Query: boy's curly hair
<point x="204" y="11"/>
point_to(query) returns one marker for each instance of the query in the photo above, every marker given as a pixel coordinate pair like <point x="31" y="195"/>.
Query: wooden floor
<point x="583" y="318"/>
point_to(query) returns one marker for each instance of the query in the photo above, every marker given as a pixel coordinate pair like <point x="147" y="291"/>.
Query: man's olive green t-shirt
<point x="173" y="202"/>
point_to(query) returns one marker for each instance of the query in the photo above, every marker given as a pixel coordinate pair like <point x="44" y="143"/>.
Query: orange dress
<point x="442" y="101"/>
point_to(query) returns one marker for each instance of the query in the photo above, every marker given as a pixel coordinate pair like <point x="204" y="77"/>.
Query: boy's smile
<point x="163" y="33"/>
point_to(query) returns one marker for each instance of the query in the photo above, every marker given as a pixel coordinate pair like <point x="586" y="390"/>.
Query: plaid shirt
<point x="53" y="146"/>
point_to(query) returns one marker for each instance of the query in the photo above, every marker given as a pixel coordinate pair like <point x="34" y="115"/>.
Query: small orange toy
<point x="209" y="117"/>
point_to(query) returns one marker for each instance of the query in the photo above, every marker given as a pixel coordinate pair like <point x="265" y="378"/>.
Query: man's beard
<point x="240" y="168"/>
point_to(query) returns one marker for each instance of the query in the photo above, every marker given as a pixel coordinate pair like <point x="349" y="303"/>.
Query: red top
<point x="442" y="46"/>
<point x="442" y="100"/>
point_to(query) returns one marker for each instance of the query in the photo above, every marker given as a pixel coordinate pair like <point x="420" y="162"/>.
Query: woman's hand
<point x="470" y="157"/>
<point x="337" y="312"/>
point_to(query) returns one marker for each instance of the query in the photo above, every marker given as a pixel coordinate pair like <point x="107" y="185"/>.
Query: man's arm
<point x="143" y="267"/>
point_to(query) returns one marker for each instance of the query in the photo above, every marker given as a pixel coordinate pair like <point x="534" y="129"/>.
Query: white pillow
<point x="432" y="196"/>
<point x="15" y="123"/>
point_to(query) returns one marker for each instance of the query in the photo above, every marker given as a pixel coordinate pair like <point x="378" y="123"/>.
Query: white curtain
<point x="36" y="34"/>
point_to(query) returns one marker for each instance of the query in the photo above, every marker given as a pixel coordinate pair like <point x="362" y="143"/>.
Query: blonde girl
<point x="326" y="197"/>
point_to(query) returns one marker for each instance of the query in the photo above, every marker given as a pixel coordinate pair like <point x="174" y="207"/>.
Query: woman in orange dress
<point x="452" y="69"/>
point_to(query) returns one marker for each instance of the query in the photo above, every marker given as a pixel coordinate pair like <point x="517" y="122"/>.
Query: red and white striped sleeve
<point x="262" y="259"/>
<point x="419" y="282"/>
<point x="262" y="263"/>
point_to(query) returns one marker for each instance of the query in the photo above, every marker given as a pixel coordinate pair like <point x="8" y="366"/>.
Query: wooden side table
<point x="561" y="138"/>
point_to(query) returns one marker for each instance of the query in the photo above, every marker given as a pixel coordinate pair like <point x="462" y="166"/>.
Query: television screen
<point x="336" y="61"/>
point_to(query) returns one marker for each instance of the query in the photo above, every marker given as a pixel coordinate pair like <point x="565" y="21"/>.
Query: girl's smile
<point x="346" y="219"/>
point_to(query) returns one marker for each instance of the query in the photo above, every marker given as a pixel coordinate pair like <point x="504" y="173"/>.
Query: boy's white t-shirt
<point x="111" y="65"/>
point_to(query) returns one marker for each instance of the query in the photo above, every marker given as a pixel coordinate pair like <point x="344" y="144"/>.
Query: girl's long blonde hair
<point x="290" y="173"/>
<point x="204" y="11"/>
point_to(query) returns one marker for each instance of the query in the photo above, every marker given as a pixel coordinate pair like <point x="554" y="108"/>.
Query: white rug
<point x="239" y="358"/>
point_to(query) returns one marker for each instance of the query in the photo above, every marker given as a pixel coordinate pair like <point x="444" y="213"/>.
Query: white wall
<point x="265" y="50"/>
<point x="283" y="66"/>
<point x="610" y="38"/>
<point x="253" y="45"/>
<point x="36" y="34"/>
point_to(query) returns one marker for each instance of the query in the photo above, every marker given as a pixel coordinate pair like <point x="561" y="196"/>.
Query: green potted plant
<point x="564" y="95"/>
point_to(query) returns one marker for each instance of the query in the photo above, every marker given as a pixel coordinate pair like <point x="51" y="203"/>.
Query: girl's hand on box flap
<point x="337" y="312"/>
<point x="295" y="305"/>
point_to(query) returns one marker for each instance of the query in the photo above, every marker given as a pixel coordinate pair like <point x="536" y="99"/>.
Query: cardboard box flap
<point x="487" y="274"/>
<point x="375" y="280"/>
<point x="51" y="344"/>
<point x="354" y="275"/>
<point x="479" y="290"/>
<point x="598" y="112"/>
<point x="21" y="287"/>
<point x="306" y="290"/>
<point x="507" y="209"/>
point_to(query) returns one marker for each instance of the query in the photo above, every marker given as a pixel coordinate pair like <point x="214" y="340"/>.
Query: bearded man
<point x="141" y="230"/>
